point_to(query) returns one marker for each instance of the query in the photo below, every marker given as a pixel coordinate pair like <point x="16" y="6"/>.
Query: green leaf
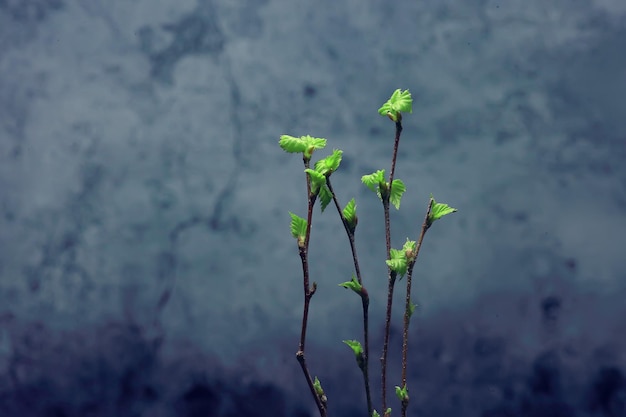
<point x="312" y="144"/>
<point x="397" y="263"/>
<point x="373" y="181"/>
<point x="292" y="144"/>
<point x="397" y="189"/>
<point x="402" y="393"/>
<point x="325" y="197"/>
<point x="439" y="210"/>
<point x="353" y="284"/>
<point x="349" y="213"/>
<point x="409" y="249"/>
<point x="329" y="164"/>
<point x="317" y="143"/>
<point x="298" y="228"/>
<point x="400" y="101"/>
<point x="318" y="180"/>
<point x="317" y="385"/>
<point x="355" y="345"/>
<point x="375" y="414"/>
<point x="411" y="308"/>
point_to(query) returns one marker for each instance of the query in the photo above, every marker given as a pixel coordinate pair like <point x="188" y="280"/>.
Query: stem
<point x="365" y="300"/>
<point x="391" y="275"/>
<point x="407" y="310"/>
<point x="308" y="294"/>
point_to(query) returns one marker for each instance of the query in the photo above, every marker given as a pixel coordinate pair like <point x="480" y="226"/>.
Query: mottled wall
<point x="144" y="241"/>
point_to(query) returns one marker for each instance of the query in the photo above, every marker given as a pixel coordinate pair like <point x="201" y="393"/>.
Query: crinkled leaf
<point x="356" y="347"/>
<point x="397" y="265"/>
<point x="329" y="164"/>
<point x="298" y="227"/>
<point x="402" y="393"/>
<point x="438" y="210"/>
<point x="353" y="284"/>
<point x="373" y="181"/>
<point x="409" y="250"/>
<point x="349" y="213"/>
<point x="400" y="101"/>
<point x="312" y="144"/>
<point x="317" y="143"/>
<point x="325" y="197"/>
<point x="397" y="262"/>
<point x="292" y="144"/>
<point x="397" y="189"/>
<point x="317" y="180"/>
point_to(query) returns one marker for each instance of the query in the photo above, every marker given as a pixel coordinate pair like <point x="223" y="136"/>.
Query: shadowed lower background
<point x="146" y="265"/>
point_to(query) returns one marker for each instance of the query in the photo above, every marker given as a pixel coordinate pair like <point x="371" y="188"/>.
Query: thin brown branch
<point x="385" y="194"/>
<point x="365" y="300"/>
<point x="308" y="294"/>
<point x="407" y="309"/>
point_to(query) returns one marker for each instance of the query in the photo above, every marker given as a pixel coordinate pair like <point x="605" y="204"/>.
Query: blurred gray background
<point x="141" y="179"/>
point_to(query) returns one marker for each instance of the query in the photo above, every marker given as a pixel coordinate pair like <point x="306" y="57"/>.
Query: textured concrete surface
<point x="144" y="198"/>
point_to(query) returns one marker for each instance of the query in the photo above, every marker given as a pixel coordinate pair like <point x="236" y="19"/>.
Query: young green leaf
<point x="373" y="181"/>
<point x="375" y="414"/>
<point x="409" y="249"/>
<point x="353" y="284"/>
<point x="400" y="101"/>
<point x="349" y="213"/>
<point x="317" y="143"/>
<point x="292" y="144"/>
<point x="397" y="189"/>
<point x="318" y="387"/>
<point x="397" y="263"/>
<point x="312" y="144"/>
<point x="411" y="308"/>
<point x="329" y="164"/>
<point x="318" y="180"/>
<point x="356" y="347"/>
<point x="298" y="228"/>
<point x="402" y="393"/>
<point x="439" y="210"/>
<point x="325" y="197"/>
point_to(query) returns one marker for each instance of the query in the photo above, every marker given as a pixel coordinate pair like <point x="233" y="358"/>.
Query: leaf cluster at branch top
<point x="400" y="101"/>
<point x="323" y="169"/>
<point x="376" y="182"/>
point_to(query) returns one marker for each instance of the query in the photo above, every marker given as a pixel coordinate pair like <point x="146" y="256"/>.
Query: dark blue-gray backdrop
<point x="146" y="265"/>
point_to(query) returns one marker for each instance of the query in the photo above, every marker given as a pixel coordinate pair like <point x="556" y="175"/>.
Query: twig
<point x="407" y="310"/>
<point x="385" y="194"/>
<point x="308" y="294"/>
<point x="365" y="300"/>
